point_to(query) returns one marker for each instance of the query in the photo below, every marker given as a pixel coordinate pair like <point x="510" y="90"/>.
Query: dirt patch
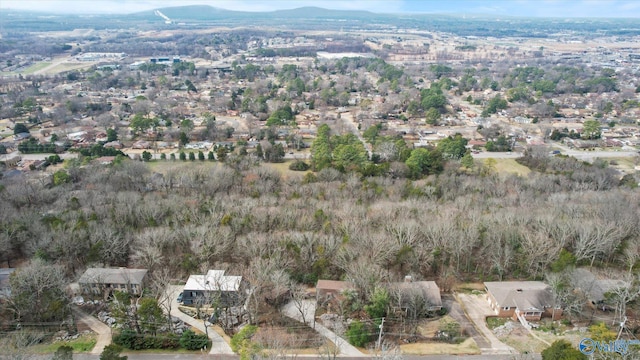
<point x="279" y="338"/>
<point x="516" y="336"/>
<point x="430" y="328"/>
<point x="467" y="347"/>
<point x="523" y="342"/>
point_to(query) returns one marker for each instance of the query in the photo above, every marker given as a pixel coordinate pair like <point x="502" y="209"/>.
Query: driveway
<point x="218" y="344"/>
<point x="103" y="332"/>
<point x="477" y="309"/>
<point x="309" y="309"/>
<point x="455" y="311"/>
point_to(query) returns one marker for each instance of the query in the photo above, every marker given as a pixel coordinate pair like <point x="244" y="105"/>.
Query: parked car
<point x="180" y="298"/>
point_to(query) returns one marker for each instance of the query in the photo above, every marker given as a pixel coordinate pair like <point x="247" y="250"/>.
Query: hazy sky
<point x="555" y="8"/>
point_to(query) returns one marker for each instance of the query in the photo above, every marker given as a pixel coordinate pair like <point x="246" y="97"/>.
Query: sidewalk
<point x="309" y="309"/>
<point x="103" y="332"/>
<point x="218" y="344"/>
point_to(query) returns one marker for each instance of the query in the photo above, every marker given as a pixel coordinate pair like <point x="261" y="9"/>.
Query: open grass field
<point x="67" y="67"/>
<point x="510" y="166"/>
<point x="164" y="166"/>
<point x="31" y="69"/>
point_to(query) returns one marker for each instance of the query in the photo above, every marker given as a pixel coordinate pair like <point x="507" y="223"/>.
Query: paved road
<point x="63" y="156"/>
<point x="456" y="312"/>
<point x="103" y="332"/>
<point x="477" y="309"/>
<point x="218" y="345"/>
<point x="309" y="310"/>
<point x="497" y="155"/>
<point x="350" y="122"/>
<point x="591" y="155"/>
<point x="578" y="154"/>
<point x="235" y="357"/>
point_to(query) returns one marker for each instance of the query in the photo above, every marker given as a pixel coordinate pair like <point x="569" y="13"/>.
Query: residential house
<point x="10" y="160"/>
<point x="141" y="144"/>
<point x="5" y="287"/>
<point x="594" y="289"/>
<point x="213" y="288"/>
<point x="476" y="144"/>
<point x="21" y="136"/>
<point x="77" y="136"/>
<point x="522" y="300"/>
<point x="410" y="295"/>
<point x="105" y="160"/>
<point x="327" y="290"/>
<point x="97" y="281"/>
<point x="114" y="144"/>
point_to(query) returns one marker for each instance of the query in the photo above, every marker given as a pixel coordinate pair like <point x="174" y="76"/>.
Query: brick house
<point x="331" y="289"/>
<point x="522" y="300"/>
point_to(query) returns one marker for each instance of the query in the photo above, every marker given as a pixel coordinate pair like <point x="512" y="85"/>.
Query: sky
<point x="539" y="8"/>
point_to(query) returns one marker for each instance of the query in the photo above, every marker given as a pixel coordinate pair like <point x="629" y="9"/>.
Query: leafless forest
<point x="457" y="226"/>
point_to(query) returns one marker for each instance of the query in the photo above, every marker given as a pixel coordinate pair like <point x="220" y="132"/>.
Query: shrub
<point x="192" y="341"/>
<point x="358" y="334"/>
<point x="299" y="165"/>
<point x="241" y="343"/>
<point x="129" y="339"/>
<point x="112" y="352"/>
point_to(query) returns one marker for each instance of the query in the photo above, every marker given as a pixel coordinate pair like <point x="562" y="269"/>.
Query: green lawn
<point x="82" y="344"/>
<point x="494" y="322"/>
<point x="511" y="166"/>
<point x="162" y="166"/>
<point x="33" y="68"/>
<point x="67" y="67"/>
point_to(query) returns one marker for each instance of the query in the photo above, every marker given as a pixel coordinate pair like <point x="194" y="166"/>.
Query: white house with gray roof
<point x="214" y="288"/>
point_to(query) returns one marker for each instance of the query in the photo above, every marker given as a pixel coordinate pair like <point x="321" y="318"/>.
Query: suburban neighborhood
<point x="201" y="182"/>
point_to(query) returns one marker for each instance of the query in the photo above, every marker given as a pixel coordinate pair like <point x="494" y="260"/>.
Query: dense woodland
<point x="458" y="225"/>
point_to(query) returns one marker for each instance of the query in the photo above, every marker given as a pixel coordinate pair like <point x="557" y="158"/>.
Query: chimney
<point x="408" y="279"/>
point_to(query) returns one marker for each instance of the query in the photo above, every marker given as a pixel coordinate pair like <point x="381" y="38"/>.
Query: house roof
<point x="112" y="276"/>
<point x="595" y="288"/>
<point x="524" y="295"/>
<point x="333" y="285"/>
<point x="428" y="289"/>
<point x="214" y="280"/>
<point x="4" y="277"/>
<point x="105" y="159"/>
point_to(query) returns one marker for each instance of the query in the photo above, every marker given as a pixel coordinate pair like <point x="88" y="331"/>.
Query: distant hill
<point x="318" y="12"/>
<point x="199" y="12"/>
<point x="205" y="12"/>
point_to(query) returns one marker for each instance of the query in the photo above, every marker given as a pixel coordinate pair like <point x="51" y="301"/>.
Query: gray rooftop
<point x="4" y="277"/>
<point x="427" y="289"/>
<point x="592" y="286"/>
<point x="113" y="276"/>
<point x="524" y="295"/>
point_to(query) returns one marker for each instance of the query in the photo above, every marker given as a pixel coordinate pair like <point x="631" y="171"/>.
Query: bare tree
<point x="628" y="291"/>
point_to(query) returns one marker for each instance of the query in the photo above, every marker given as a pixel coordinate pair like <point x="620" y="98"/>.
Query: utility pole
<point x="380" y="334"/>
<point x="624" y="321"/>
